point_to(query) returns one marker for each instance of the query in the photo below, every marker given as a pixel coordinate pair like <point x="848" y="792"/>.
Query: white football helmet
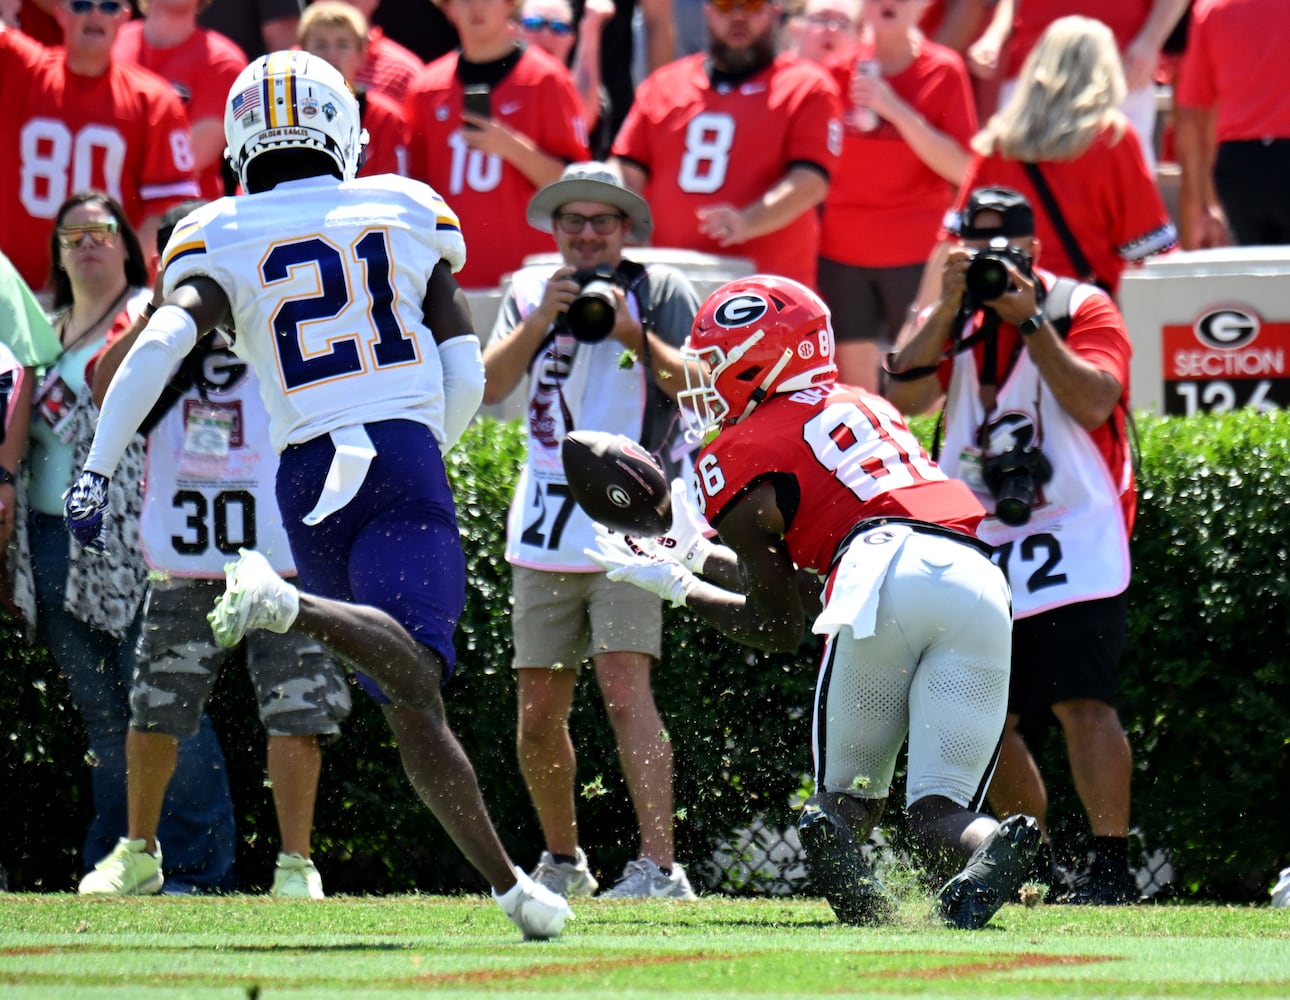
<point x="292" y="100"/>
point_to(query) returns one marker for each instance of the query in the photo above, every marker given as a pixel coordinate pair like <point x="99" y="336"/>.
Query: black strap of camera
<point x="657" y="402"/>
<point x="1055" y="216"/>
<point x="1057" y="307"/>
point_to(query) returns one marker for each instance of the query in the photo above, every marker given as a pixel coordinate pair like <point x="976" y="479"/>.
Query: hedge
<point x="1205" y="688"/>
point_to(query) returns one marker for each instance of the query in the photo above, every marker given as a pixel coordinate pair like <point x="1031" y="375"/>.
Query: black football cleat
<point x="840" y="872"/>
<point x="1102" y="888"/>
<point x="992" y="876"/>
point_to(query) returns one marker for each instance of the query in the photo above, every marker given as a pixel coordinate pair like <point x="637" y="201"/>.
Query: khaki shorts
<point x="563" y="619"/>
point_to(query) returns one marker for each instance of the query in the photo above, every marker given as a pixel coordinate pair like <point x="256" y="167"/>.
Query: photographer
<point x="598" y="339"/>
<point x="1036" y="375"/>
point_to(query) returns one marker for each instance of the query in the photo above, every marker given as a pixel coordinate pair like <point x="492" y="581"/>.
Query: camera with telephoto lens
<point x="591" y="316"/>
<point x="987" y="273"/>
<point x="1013" y="479"/>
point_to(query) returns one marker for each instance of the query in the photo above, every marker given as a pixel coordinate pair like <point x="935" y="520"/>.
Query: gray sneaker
<point x="643" y="879"/>
<point x="564" y="879"/>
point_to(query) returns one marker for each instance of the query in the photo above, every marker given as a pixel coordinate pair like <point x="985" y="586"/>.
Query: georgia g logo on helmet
<point x="740" y="310"/>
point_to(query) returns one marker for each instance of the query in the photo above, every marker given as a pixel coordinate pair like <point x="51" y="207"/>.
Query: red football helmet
<point x="753" y="337"/>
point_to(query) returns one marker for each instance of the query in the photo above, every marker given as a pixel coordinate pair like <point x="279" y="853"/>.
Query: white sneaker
<point x="643" y="879"/>
<point x="537" y="911"/>
<point x="128" y="871"/>
<point x="564" y="879"/>
<point x="1281" y="892"/>
<point x="255" y="597"/>
<point x="296" y="877"/>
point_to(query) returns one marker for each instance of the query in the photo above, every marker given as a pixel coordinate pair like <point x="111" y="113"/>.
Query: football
<point x="617" y="482"/>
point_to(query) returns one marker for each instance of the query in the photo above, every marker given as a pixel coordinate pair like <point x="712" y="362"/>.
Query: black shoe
<point x="840" y="872"/>
<point x="1102" y="888"/>
<point x="992" y="875"/>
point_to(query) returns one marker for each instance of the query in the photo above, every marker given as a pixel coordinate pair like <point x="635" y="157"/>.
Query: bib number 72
<point x="1042" y="551"/>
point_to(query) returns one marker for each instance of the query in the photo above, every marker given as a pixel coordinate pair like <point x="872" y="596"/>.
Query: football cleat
<point x="992" y="876"/>
<point x="254" y="597"/>
<point x="839" y="872"/>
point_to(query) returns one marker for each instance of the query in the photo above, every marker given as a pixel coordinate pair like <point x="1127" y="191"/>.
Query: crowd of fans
<point x="824" y="140"/>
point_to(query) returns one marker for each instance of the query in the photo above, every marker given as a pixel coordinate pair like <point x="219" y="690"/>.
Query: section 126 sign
<point x="1228" y="357"/>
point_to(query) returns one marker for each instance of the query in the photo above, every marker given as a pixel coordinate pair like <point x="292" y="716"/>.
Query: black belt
<point x="916" y="526"/>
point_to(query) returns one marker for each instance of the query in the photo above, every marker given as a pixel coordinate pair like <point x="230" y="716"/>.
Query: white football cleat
<point x="255" y="597"/>
<point x="537" y="911"/>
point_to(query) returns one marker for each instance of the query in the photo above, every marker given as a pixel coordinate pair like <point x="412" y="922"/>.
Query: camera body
<point x="591" y="316"/>
<point x="1013" y="478"/>
<point x="987" y="271"/>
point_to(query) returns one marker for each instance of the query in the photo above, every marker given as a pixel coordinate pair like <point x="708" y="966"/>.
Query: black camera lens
<point x="987" y="276"/>
<point x="1014" y="479"/>
<point x="591" y="315"/>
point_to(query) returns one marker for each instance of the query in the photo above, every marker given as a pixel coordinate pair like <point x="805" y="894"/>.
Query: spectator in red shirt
<point x="1140" y="28"/>
<point x="388" y="68"/>
<point x="819" y="29"/>
<point x="1065" y="119"/>
<point x="904" y="152"/>
<point x="1232" y="125"/>
<point x="336" y="31"/>
<point x="489" y="166"/>
<point x="73" y="120"/>
<point x="199" y="64"/>
<point x="549" y="25"/>
<point x="734" y="150"/>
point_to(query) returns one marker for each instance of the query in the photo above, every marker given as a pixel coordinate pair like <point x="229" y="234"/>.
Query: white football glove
<point x="658" y="572"/>
<point x="687" y="541"/>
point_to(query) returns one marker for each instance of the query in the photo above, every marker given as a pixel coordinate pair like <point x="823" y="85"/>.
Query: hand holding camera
<point x="590" y="300"/>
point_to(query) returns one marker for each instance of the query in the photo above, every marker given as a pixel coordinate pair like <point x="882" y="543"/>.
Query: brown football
<point x="618" y="482"/>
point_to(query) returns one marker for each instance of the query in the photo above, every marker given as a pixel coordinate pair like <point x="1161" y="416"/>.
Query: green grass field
<point x="58" y="946"/>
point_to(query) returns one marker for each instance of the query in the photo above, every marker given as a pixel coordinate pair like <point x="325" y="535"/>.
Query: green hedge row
<point x="1205" y="689"/>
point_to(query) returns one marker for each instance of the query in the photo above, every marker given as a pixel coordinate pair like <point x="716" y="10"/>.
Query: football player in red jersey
<point x="805" y="473"/>
<point x="74" y="120"/>
<point x="734" y="148"/>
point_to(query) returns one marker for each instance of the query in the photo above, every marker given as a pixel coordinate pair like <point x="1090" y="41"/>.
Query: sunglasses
<point x="572" y="223"/>
<point x="100" y="234"/>
<point x="729" y="6"/>
<point x="538" y="23"/>
<point x="109" y="7"/>
<point x="835" y="22"/>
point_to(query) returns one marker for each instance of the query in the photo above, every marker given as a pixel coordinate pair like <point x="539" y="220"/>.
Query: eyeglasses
<point x="572" y="223"/>
<point x="538" y="23"/>
<point x="100" y="234"/>
<point x="109" y="7"/>
<point x="729" y="6"/>
<point x="835" y="22"/>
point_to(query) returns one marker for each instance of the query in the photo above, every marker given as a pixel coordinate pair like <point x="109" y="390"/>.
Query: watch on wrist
<point x="1028" y="326"/>
<point x="6" y="477"/>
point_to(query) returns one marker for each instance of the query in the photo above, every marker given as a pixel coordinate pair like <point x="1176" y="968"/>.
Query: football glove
<point x="624" y="559"/>
<point x="85" y="507"/>
<point x="688" y="535"/>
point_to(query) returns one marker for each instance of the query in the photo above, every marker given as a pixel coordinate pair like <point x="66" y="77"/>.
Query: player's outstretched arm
<point x="192" y="309"/>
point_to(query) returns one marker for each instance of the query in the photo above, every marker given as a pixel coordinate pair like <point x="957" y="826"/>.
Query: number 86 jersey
<point x="838" y="455"/>
<point x="326" y="281"/>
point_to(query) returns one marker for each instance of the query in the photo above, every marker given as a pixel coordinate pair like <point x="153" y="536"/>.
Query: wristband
<point x="1028" y="326"/>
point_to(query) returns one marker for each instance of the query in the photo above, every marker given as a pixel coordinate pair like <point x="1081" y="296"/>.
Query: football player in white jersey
<point x="343" y="299"/>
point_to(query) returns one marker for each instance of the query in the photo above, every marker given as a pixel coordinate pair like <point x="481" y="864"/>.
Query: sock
<point x="565" y="859"/>
<point x="1111" y="854"/>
